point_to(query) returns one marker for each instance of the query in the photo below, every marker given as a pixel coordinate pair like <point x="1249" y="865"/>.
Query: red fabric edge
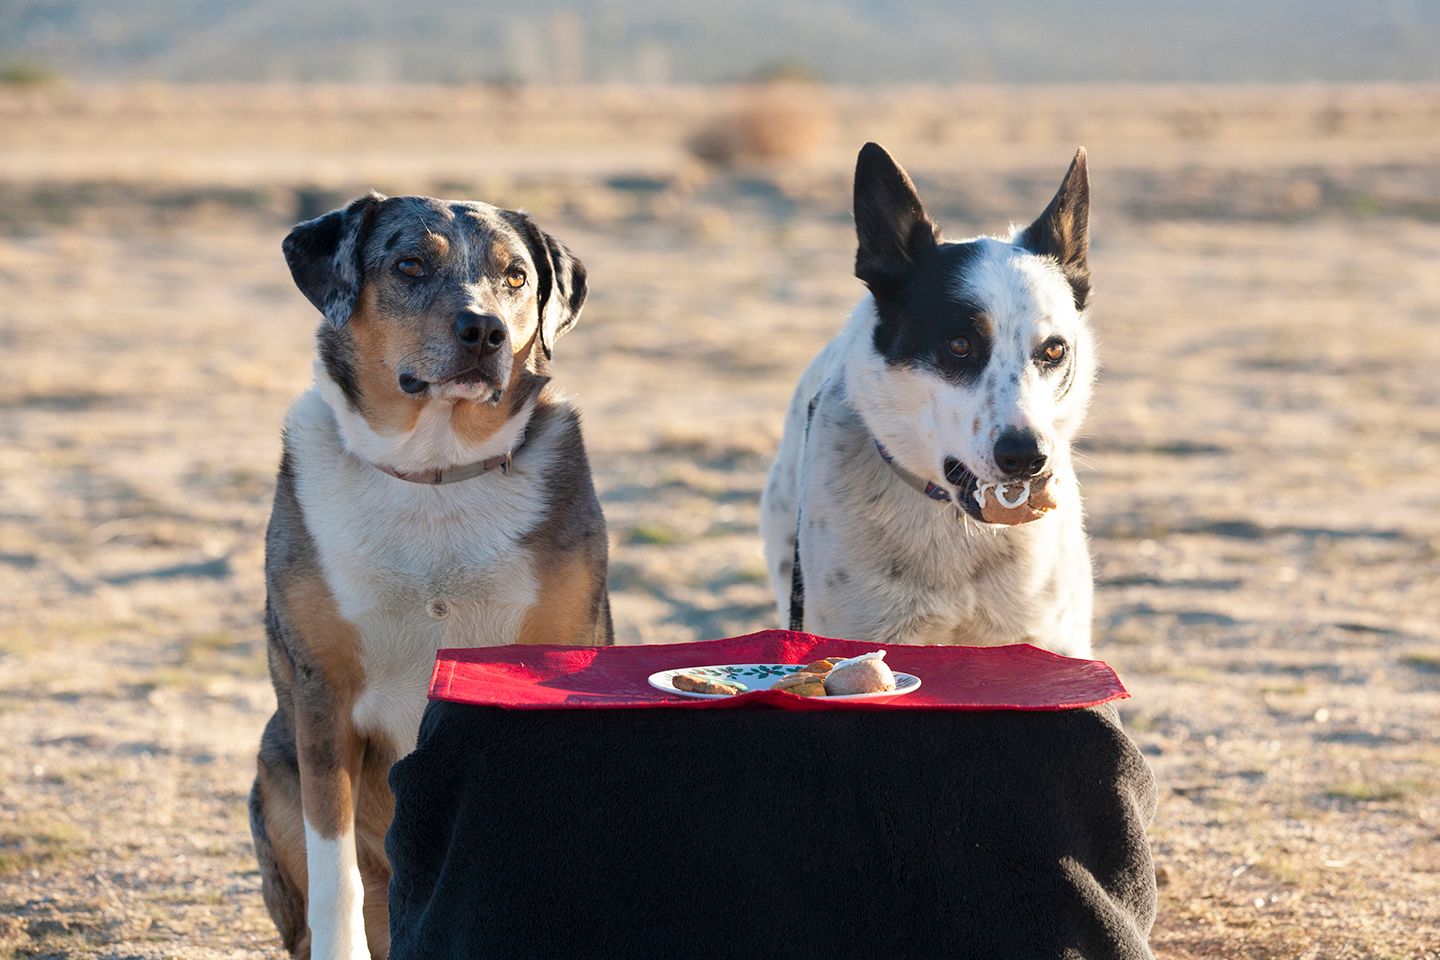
<point x="450" y="659"/>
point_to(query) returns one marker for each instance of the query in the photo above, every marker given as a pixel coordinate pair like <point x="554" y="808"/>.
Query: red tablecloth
<point x="541" y="677"/>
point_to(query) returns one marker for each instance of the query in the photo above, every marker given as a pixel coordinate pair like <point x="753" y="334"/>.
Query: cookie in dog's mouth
<point x="1007" y="503"/>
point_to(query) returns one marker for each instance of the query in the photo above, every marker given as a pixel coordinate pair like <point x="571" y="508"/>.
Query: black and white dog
<point x="967" y="370"/>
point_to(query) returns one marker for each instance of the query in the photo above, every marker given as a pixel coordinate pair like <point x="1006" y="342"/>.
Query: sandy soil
<point x="1261" y="480"/>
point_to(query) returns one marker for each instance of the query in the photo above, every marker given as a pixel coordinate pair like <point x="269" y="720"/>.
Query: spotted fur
<point x="880" y="561"/>
<point x="368" y="574"/>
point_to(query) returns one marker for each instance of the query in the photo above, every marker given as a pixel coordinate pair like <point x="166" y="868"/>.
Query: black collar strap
<point x="932" y="490"/>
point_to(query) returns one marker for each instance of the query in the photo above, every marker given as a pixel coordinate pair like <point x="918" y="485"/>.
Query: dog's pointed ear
<point x="326" y="257"/>
<point x="560" y="288"/>
<point x="890" y="221"/>
<point x="1063" y="230"/>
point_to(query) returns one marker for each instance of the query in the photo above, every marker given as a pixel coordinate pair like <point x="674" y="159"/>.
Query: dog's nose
<point x="482" y="333"/>
<point x="1018" y="454"/>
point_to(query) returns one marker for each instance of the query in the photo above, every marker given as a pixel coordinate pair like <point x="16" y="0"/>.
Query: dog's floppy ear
<point x="325" y="257"/>
<point x="890" y="222"/>
<point x="560" y="288"/>
<point x="1063" y="230"/>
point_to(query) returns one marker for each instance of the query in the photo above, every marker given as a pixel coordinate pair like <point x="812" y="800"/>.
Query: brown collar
<point x="455" y="474"/>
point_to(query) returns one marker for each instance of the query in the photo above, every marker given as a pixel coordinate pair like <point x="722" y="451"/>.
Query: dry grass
<point x="37" y="843"/>
<point x="774" y="123"/>
<point x="1266" y="545"/>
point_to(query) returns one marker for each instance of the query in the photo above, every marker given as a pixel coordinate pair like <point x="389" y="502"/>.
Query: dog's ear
<point x="890" y="222"/>
<point x="325" y="257"/>
<point x="1063" y="230"/>
<point x="560" y="288"/>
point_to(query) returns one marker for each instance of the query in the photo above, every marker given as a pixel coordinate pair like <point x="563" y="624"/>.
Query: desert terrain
<point x="1262" y="462"/>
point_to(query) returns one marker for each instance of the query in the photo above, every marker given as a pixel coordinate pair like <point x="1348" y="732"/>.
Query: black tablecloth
<point x="759" y="833"/>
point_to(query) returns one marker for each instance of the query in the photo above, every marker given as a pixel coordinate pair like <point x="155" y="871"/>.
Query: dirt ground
<point x="1261" y="479"/>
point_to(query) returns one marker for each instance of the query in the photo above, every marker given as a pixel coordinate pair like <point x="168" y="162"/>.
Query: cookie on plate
<point x="801" y="684"/>
<point x="866" y="673"/>
<point x="695" y="683"/>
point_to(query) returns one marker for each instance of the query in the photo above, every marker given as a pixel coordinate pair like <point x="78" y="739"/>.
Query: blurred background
<point x="1262" y="457"/>
<point x="688" y="41"/>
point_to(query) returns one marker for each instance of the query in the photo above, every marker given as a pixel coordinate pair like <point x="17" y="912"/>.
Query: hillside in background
<point x="659" y="41"/>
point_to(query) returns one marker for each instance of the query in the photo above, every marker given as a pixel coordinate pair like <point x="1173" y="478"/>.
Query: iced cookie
<point x="801" y="684"/>
<point x="1019" y="501"/>
<point x="694" y="683"/>
<point x="821" y="666"/>
<point x="866" y="673"/>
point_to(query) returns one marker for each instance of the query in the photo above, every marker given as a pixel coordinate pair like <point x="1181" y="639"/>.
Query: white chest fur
<point x="881" y="562"/>
<point x="413" y="567"/>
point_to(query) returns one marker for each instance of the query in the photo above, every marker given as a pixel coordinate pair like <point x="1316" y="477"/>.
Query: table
<point x="866" y="833"/>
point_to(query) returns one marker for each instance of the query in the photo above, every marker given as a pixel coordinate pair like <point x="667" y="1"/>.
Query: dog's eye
<point x="411" y="267"/>
<point x="1054" y="352"/>
<point x="515" y="279"/>
<point x="961" y="346"/>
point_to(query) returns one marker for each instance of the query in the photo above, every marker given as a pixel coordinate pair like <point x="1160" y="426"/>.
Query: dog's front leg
<point x="330" y="755"/>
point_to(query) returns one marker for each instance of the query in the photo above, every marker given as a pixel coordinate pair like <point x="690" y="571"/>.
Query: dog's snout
<point x="481" y="333"/>
<point x="1018" y="454"/>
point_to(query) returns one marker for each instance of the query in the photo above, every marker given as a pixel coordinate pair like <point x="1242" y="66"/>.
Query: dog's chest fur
<point x="882" y="562"/>
<point x="413" y="567"/>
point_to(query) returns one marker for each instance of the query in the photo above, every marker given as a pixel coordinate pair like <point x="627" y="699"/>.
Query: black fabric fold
<point x="767" y="833"/>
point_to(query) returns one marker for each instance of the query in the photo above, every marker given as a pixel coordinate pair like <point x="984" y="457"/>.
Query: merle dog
<point x="434" y="491"/>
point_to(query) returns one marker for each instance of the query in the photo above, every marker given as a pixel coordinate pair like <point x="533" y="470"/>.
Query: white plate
<point x="761" y="676"/>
